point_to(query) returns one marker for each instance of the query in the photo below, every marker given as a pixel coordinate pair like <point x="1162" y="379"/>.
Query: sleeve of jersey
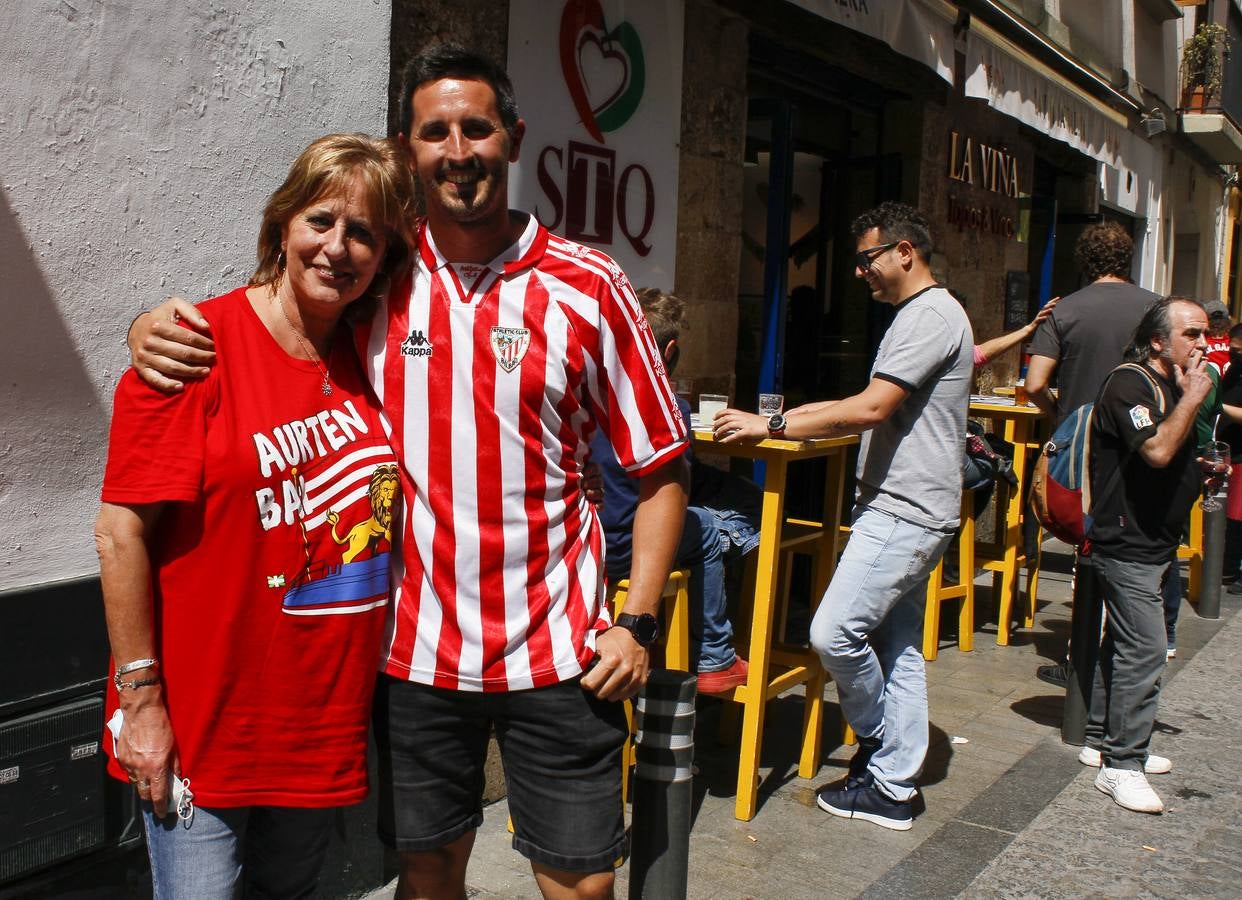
<point x="917" y="351"/>
<point x="643" y="423"/>
<point x="1133" y="411"/>
<point x="156" y="445"/>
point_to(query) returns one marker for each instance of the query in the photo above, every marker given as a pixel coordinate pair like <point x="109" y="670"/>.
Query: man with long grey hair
<point x="1144" y="480"/>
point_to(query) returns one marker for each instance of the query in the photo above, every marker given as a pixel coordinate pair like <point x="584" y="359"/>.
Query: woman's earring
<point x="280" y="261"/>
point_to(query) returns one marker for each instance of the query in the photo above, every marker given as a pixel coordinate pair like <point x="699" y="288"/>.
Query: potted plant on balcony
<point x="1203" y="65"/>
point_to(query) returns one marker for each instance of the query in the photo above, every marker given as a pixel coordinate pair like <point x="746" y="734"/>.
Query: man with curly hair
<point x="1084" y="338"/>
<point x="1082" y="341"/>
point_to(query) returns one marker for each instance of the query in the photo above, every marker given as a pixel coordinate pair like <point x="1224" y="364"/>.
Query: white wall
<point x="138" y="142"/>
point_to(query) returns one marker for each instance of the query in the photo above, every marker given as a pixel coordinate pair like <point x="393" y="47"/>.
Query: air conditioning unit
<point x="52" y="804"/>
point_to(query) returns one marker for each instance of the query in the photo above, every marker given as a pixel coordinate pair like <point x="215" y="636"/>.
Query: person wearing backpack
<point x="1082" y="341"/>
<point x="1144" y="478"/>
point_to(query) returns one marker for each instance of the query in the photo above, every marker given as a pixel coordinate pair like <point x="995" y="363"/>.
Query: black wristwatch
<point x="776" y="425"/>
<point x="645" y="628"/>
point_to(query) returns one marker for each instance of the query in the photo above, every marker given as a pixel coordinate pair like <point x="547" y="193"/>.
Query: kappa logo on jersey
<point x="510" y="345"/>
<point x="416" y="344"/>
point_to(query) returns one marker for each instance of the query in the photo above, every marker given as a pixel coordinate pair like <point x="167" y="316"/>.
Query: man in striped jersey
<point x="495" y="362"/>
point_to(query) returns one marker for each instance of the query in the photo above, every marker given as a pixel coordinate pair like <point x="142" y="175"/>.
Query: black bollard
<point x="1213" y="557"/>
<point x="663" y="787"/>
<point x="1085" y="622"/>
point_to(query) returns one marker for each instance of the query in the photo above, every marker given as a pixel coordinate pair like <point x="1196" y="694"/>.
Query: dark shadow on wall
<point x="53" y="429"/>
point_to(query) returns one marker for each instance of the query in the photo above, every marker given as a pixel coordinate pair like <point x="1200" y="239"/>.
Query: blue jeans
<point x="248" y="851"/>
<point x="869" y="633"/>
<point x="701" y="550"/>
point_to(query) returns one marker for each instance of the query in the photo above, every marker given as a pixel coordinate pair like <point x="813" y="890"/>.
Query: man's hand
<point x="732" y="426"/>
<point x="593" y="483"/>
<point x="165" y="354"/>
<point x="621" y="668"/>
<point x="145" y="749"/>
<point x="1194" y="381"/>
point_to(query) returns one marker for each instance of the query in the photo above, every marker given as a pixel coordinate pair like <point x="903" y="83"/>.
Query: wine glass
<point x="1215" y="464"/>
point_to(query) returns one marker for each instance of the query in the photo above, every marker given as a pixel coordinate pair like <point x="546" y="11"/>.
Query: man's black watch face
<point x="645" y="628"/>
<point x="776" y="425"/>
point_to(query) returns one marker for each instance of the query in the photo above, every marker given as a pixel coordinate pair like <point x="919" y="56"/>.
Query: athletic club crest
<point x="509" y="346"/>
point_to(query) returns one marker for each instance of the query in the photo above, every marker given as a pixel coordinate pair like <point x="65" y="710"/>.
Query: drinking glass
<point x="709" y="405"/>
<point x="771" y="404"/>
<point x="1215" y="456"/>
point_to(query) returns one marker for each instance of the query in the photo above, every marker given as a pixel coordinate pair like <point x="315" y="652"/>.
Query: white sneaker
<point x="1170" y="653"/>
<point x="1129" y="789"/>
<point x="1155" y="765"/>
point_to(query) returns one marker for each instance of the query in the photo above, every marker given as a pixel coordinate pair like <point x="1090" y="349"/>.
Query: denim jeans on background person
<point x="248" y="851"/>
<point x="1132" y="659"/>
<point x="879" y="591"/>
<point x="701" y="551"/>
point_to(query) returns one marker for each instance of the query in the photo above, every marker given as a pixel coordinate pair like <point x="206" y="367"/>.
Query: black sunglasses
<point x="864" y="258"/>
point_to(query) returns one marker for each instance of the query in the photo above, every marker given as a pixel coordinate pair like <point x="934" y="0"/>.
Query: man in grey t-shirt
<point x="868" y="628"/>
<point x="1082" y="341"/>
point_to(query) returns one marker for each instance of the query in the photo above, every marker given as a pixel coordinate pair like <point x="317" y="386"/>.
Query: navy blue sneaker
<point x="867" y="803"/>
<point x="858" y="774"/>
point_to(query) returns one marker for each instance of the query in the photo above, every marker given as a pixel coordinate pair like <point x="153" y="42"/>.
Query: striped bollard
<point x="663" y="786"/>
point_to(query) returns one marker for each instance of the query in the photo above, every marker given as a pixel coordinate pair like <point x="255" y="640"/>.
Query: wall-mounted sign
<point x="993" y="171"/>
<point x="599" y="85"/>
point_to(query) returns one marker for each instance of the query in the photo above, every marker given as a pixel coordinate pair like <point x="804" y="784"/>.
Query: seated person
<point x="725" y="523"/>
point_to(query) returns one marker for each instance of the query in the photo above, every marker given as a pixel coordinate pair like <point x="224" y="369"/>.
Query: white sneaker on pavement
<point x="1129" y="788"/>
<point x="1155" y="765"/>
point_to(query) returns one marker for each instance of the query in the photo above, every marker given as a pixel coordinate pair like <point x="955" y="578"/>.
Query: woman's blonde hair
<point x="327" y="166"/>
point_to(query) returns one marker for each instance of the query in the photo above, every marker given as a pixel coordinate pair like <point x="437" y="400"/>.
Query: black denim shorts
<point x="561" y="750"/>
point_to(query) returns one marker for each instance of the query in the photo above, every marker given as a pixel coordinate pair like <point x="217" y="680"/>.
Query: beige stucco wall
<point x="140" y="139"/>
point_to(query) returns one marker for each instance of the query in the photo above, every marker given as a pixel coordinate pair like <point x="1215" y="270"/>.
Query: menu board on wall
<point x="598" y="83"/>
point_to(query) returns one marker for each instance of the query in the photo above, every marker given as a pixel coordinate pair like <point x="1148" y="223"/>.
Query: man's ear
<point x="671" y="354"/>
<point x="404" y="143"/>
<point x="515" y="137"/>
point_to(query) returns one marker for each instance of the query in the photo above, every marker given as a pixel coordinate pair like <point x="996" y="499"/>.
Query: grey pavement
<point x="1009" y="810"/>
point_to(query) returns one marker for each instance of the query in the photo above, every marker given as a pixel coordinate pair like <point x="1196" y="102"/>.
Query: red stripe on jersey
<point x="439" y="406"/>
<point x="490" y="502"/>
<point x="533" y="390"/>
<point x="403" y="612"/>
<point x="577" y="604"/>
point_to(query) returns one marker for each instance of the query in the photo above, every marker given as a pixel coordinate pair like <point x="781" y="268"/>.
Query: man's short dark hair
<point x="453" y="61"/>
<point x="1104" y="248"/>
<point x="897" y="222"/>
<point x="1218" y="323"/>
<point x="1157" y="322"/>
<point x="1235" y="333"/>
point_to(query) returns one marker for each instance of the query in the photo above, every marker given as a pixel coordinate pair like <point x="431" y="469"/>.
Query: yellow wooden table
<point x="1004" y="557"/>
<point x="1192" y="550"/>
<point x="774" y="666"/>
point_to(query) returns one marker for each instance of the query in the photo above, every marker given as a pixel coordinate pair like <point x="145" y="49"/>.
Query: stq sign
<point x="599" y="85"/>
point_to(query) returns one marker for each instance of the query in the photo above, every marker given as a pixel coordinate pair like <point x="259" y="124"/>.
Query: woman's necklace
<point x="314" y="357"/>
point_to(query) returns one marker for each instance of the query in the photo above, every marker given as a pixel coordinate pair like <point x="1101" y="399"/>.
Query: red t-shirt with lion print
<point x="269" y="562"/>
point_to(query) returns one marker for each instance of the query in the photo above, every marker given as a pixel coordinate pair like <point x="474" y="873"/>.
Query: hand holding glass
<point x="1214" y="459"/>
<point x="709" y="405"/>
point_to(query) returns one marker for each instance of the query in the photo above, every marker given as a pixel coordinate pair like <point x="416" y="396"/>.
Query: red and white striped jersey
<point x="493" y="378"/>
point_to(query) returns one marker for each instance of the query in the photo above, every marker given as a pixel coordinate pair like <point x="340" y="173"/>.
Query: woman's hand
<point x="146" y="749"/>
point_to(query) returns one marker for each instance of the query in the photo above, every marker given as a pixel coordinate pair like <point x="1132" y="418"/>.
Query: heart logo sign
<point x="603" y="68"/>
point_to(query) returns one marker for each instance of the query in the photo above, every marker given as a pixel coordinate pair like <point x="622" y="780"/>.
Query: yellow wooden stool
<point x="964" y="590"/>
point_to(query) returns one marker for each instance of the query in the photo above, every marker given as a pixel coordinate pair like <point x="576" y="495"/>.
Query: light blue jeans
<point x="869" y="633"/>
<point x="250" y="852"/>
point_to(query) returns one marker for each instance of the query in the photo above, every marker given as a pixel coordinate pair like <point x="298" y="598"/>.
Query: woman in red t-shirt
<point x="244" y="539"/>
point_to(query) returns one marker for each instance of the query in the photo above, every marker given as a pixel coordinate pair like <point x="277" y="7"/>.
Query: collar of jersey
<point x="523" y="253"/>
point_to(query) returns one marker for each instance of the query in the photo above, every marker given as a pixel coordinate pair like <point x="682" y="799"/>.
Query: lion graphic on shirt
<point x="381" y="491"/>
